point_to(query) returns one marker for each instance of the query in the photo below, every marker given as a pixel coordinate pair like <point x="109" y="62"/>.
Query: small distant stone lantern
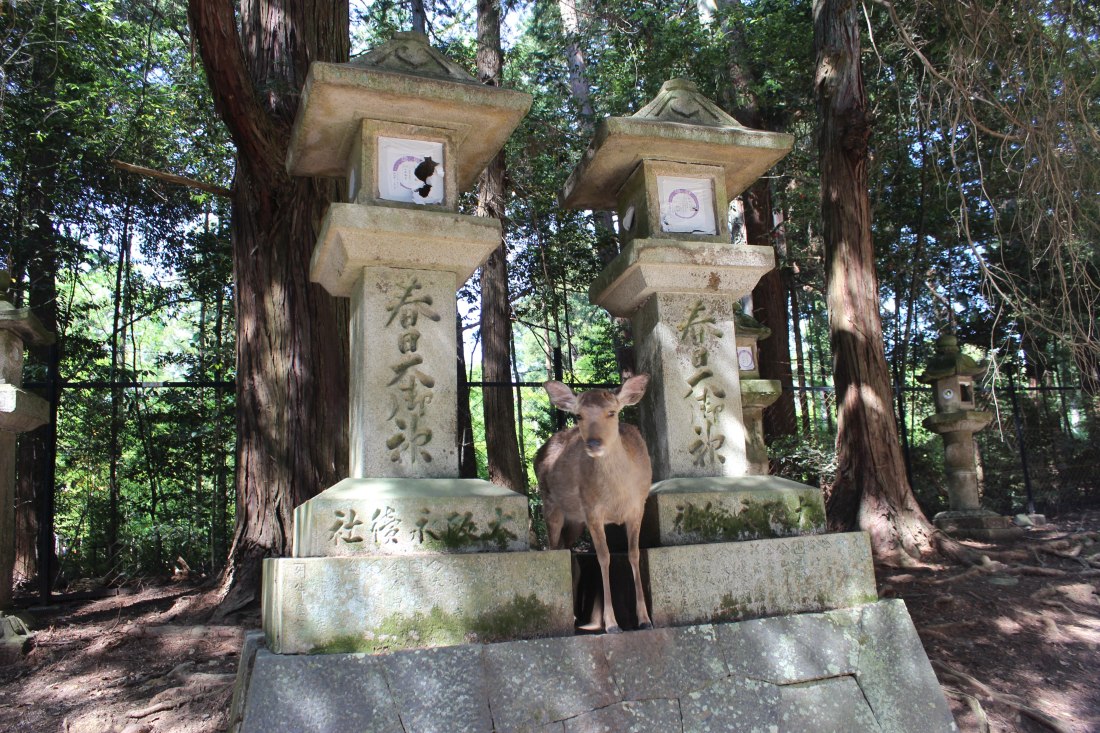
<point x="20" y="412"/>
<point x="756" y="393"/>
<point x="951" y="375"/>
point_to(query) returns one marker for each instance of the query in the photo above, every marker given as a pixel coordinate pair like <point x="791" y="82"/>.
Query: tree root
<point x="159" y="707"/>
<point x="974" y="704"/>
<point x="990" y="695"/>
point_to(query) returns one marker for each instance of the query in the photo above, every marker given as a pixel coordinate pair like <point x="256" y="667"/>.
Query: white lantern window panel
<point x="687" y="205"/>
<point x="410" y="171"/>
<point x="746" y="360"/>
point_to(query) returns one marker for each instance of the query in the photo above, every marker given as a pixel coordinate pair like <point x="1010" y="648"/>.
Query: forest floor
<point x="1016" y="646"/>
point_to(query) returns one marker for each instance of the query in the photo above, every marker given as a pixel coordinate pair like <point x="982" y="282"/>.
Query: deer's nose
<point x="594" y="443"/>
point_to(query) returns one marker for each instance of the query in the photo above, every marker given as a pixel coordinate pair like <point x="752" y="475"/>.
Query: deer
<point x="597" y="473"/>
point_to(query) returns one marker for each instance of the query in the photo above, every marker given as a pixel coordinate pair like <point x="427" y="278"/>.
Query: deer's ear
<point x="561" y="396"/>
<point x="633" y="389"/>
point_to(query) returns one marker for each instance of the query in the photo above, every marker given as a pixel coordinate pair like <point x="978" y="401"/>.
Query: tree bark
<point x="292" y="350"/>
<point x="871" y="491"/>
<point x="501" y="444"/>
<point x="769" y="297"/>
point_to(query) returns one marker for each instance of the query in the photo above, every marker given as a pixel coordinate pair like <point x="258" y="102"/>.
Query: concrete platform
<point x="378" y="603"/>
<point x="733" y="581"/>
<point x="845" y="671"/>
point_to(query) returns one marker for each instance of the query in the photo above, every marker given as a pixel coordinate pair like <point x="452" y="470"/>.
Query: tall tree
<point x="291" y="335"/>
<point x="871" y="491"/>
<point x="501" y="444"/>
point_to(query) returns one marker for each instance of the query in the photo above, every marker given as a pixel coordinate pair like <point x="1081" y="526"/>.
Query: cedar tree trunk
<point x="501" y="444"/>
<point x="291" y="335"/>
<point x="871" y="491"/>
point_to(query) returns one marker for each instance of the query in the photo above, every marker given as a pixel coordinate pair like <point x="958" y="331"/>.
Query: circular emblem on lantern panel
<point x="628" y="219"/>
<point x="683" y="203"/>
<point x="745" y="361"/>
<point x="948" y="393"/>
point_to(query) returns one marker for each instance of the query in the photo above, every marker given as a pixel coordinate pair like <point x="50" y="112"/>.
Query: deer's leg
<point x="603" y="555"/>
<point x="633" y="529"/>
<point x="555" y="520"/>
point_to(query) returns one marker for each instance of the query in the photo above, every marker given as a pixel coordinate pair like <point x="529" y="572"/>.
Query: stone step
<point x="848" y="671"/>
<point x="687" y="511"/>
<point x="375" y="603"/>
<point x="732" y="581"/>
<point x="393" y="516"/>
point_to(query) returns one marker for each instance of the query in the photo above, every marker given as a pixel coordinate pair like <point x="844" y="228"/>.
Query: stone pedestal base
<point x="686" y="511"/>
<point x="977" y="524"/>
<point x="852" y="670"/>
<point x="370" y="604"/>
<point x="732" y="581"/>
<point x="392" y="516"/>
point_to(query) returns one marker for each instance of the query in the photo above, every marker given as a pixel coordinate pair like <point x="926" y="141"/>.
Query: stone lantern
<point x="403" y="541"/>
<point x="669" y="172"/>
<point x="20" y="412"/>
<point x="951" y="375"/>
<point x="756" y="393"/>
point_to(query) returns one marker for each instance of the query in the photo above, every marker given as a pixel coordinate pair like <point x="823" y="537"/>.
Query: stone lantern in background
<point x="951" y="375"/>
<point x="756" y="393"/>
<point x="20" y="412"/>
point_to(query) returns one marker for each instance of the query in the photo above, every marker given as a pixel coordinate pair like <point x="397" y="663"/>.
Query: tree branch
<point x="172" y="178"/>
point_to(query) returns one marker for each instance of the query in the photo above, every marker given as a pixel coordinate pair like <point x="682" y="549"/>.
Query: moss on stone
<point x="728" y="610"/>
<point x="522" y="617"/>
<point x="756" y="520"/>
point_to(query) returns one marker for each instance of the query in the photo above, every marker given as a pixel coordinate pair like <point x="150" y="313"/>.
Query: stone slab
<point x="686" y="511"/>
<point x="770" y="679"/>
<point x="400" y="516"/>
<point x="21" y="411"/>
<point x="977" y="524"/>
<point x="377" y="603"/>
<point x="353" y="237"/>
<point x="734" y="581"/>
<point x="658" y="265"/>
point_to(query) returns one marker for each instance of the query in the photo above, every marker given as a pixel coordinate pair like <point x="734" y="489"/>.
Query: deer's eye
<point x="611" y="413"/>
<point x="580" y="418"/>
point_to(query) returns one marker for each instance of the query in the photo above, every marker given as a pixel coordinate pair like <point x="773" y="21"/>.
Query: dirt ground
<point x="1016" y="646"/>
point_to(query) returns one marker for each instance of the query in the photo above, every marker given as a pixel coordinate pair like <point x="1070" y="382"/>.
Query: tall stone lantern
<point x="670" y="172"/>
<point x="951" y="374"/>
<point x="403" y="552"/>
<point x="20" y="412"/>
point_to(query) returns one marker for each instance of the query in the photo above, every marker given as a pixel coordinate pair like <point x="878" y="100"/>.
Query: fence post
<point x="559" y="417"/>
<point x="1018" y="423"/>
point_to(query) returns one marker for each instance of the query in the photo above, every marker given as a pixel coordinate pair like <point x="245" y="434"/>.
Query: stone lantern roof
<point x="748" y="326"/>
<point x="950" y="361"/>
<point x="404" y="80"/>
<point x="679" y="124"/>
<point x="20" y="321"/>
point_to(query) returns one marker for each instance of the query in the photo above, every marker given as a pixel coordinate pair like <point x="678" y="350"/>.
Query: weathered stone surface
<point x="643" y="716"/>
<point x="659" y="265"/>
<point x="692" y="584"/>
<point x="400" y="516"/>
<point x="375" y="603"/>
<point x="532" y="683"/>
<point x="407" y="81"/>
<point x="439" y="690"/>
<point x="978" y="524"/>
<point x="403" y="422"/>
<point x="664" y="662"/>
<point x="21" y="411"/>
<point x="895" y="675"/>
<point x="786" y="649"/>
<point x="859" y="669"/>
<point x="826" y="706"/>
<point x="253" y="642"/>
<point x="353" y="237"/>
<point x="691" y="413"/>
<point x="697" y="510"/>
<point x="732" y="704"/>
<point x="290" y="693"/>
